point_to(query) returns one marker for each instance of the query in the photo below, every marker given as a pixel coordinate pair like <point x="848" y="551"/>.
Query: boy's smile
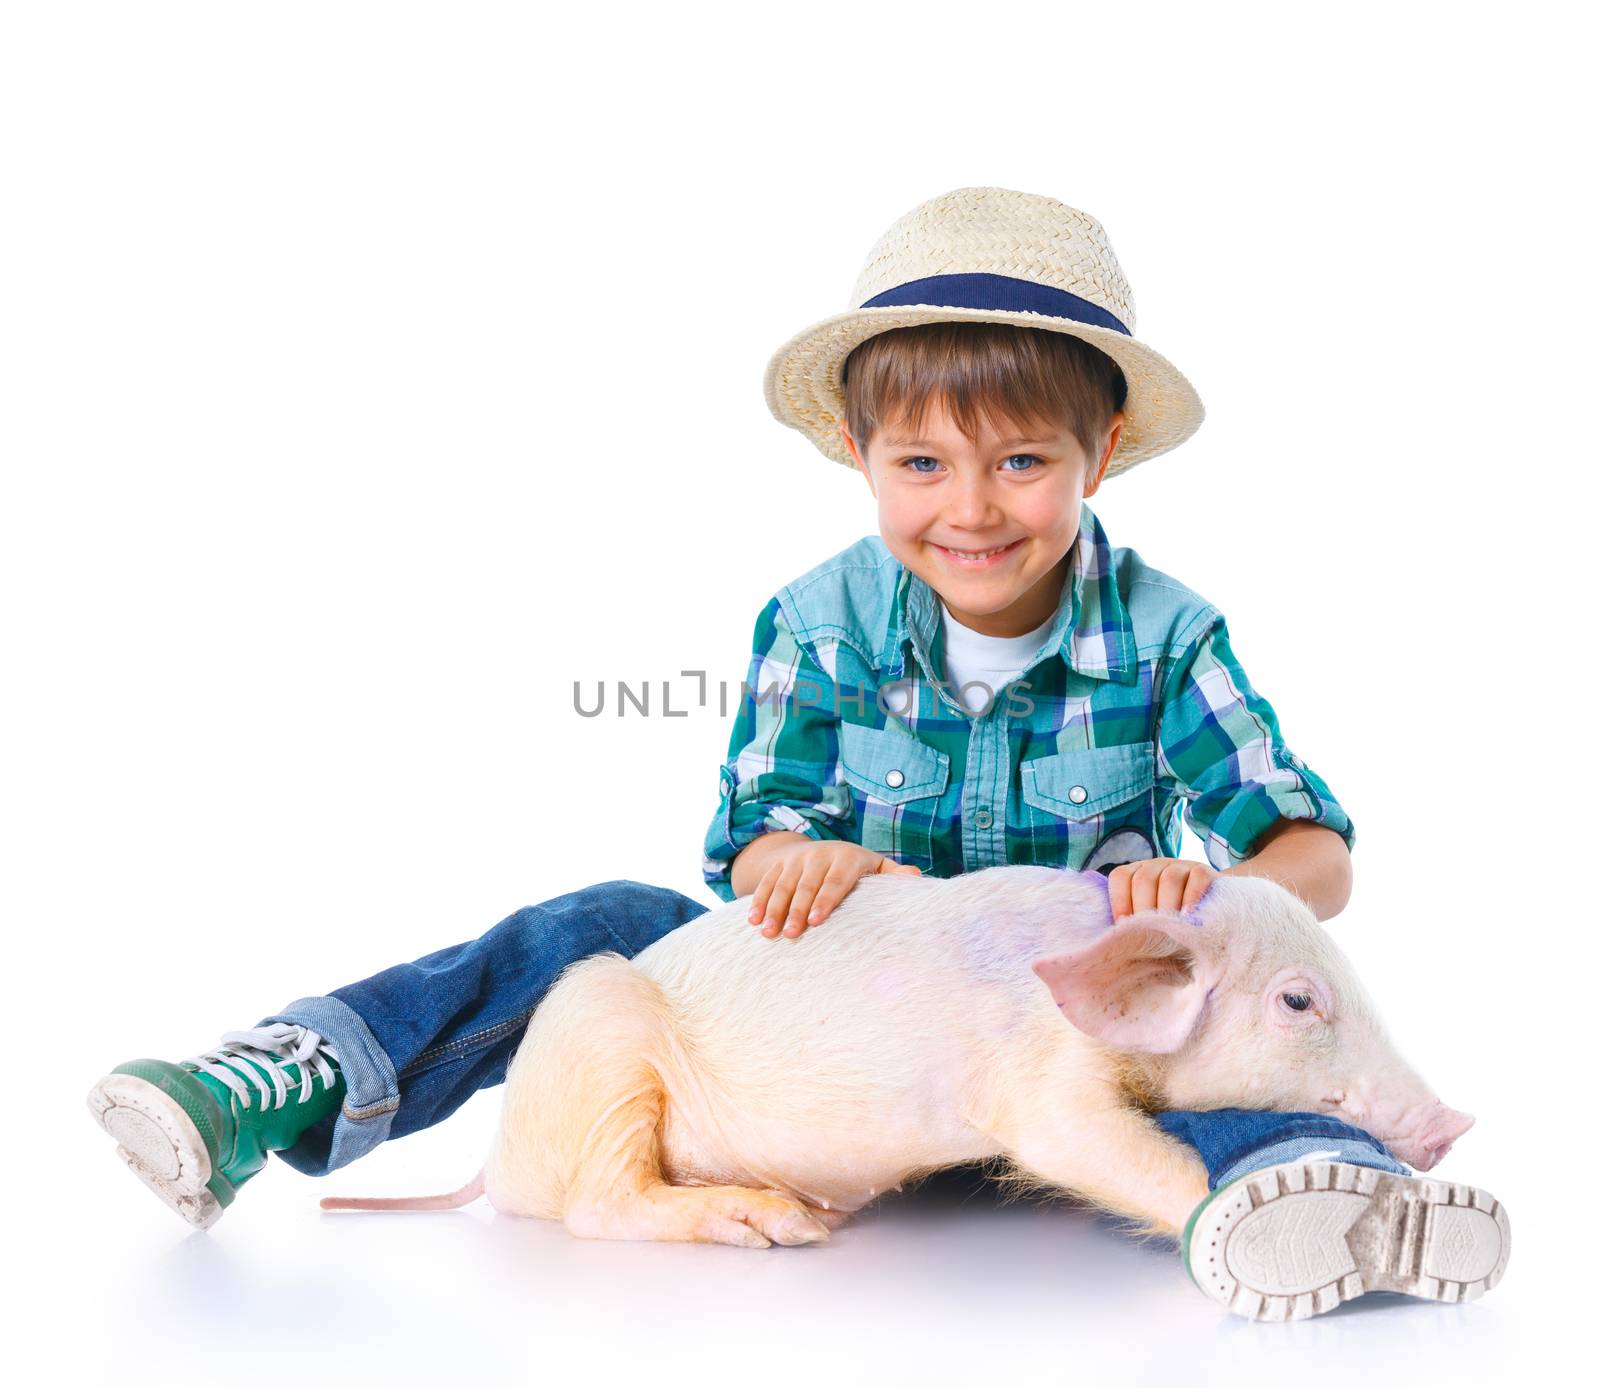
<point x="987" y="523"/>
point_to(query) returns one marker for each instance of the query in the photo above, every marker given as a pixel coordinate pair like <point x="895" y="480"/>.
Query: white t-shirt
<point x="995" y="660"/>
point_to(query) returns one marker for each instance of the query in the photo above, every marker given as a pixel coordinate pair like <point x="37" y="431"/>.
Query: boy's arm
<point x="781" y="781"/>
<point x="1309" y="859"/>
<point x="1257" y="808"/>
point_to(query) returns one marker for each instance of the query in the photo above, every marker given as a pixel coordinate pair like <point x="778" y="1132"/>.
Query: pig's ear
<point x="1139" y="987"/>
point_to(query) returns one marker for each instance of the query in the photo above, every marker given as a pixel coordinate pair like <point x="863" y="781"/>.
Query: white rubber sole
<point x="1300" y="1238"/>
<point x="159" y="1143"/>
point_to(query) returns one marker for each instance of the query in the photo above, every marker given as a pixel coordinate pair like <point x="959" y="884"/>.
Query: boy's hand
<point x="1158" y="884"/>
<point x="805" y="885"/>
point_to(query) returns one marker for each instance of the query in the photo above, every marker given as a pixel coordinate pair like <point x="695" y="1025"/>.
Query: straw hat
<point x="988" y="255"/>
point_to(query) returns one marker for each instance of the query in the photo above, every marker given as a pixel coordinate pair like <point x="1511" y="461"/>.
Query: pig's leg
<point x="580" y="1133"/>
<point x="1115" y="1157"/>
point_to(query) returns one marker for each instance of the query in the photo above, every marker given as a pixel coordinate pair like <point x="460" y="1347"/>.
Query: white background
<point x="372" y="372"/>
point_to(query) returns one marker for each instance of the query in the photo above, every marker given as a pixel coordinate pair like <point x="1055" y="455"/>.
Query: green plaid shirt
<point x="1133" y="712"/>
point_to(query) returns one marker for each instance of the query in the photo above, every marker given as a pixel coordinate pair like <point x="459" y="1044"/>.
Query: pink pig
<point x="725" y="1087"/>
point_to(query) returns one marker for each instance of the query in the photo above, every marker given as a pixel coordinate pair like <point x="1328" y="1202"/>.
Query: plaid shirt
<point x="1132" y="712"/>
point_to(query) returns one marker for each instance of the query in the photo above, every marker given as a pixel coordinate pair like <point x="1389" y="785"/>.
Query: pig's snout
<point x="1433" y="1134"/>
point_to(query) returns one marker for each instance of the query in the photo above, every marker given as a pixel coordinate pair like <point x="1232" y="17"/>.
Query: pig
<point x="724" y="1087"/>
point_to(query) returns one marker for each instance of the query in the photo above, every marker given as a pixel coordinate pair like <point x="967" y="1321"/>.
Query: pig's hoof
<point x="771" y="1218"/>
<point x="1299" y="1238"/>
<point x="698" y="1214"/>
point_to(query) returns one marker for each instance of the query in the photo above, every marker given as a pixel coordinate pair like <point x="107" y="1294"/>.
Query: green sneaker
<point x="1296" y="1239"/>
<point x="194" y="1133"/>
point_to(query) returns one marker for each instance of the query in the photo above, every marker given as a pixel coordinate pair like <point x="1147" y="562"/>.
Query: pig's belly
<point x="837" y="1167"/>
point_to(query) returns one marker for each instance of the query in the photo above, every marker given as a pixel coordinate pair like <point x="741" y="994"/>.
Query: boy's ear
<point x="1097" y="475"/>
<point x="855" y="453"/>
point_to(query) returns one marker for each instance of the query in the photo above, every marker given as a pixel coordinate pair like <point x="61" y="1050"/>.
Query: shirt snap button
<point x="983" y="819"/>
<point x="894" y="778"/>
<point x="1077" y="795"/>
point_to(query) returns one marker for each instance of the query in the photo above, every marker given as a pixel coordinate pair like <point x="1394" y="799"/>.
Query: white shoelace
<point x="271" y="1047"/>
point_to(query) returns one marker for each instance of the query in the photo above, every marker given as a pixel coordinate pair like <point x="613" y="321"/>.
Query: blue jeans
<point x="415" y="1042"/>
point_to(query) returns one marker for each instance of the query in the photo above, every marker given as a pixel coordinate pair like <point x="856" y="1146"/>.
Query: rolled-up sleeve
<point x="1219" y="746"/>
<point x="782" y="770"/>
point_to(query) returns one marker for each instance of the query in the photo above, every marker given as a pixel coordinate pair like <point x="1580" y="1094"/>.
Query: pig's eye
<point x="1297" y="1002"/>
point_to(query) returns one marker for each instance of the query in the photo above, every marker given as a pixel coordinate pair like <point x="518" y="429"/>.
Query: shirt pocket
<point x="897" y="782"/>
<point x="1074" y="801"/>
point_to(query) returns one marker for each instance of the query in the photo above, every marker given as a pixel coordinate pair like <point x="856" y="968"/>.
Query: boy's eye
<point x="923" y="466"/>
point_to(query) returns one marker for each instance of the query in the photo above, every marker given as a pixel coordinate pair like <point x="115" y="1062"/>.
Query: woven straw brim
<point x="803" y="390"/>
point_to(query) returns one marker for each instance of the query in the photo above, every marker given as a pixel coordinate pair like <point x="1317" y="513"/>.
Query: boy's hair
<point x="998" y="371"/>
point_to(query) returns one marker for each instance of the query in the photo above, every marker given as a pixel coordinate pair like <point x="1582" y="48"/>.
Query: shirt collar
<point x="1091" y="630"/>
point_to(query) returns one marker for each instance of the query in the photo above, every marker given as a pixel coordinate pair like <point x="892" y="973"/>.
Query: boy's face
<point x="987" y="524"/>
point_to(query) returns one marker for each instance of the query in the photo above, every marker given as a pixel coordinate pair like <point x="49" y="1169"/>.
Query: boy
<point x="992" y="328"/>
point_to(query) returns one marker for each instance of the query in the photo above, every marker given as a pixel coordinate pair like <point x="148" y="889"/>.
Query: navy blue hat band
<point x="1002" y="293"/>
